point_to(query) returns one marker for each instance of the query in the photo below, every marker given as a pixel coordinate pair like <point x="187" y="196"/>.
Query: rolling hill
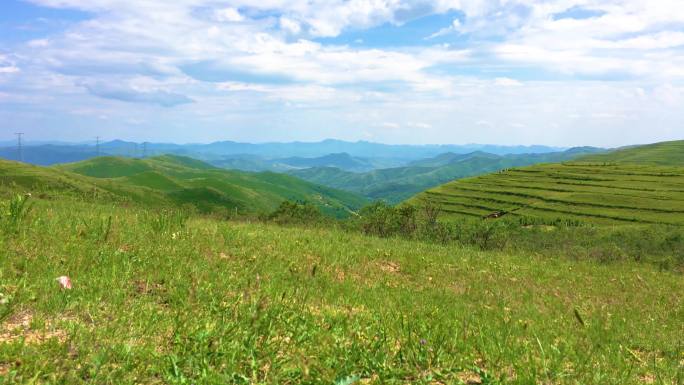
<point x="175" y="180"/>
<point x="664" y="154"/>
<point x="397" y="184"/>
<point x="593" y="192"/>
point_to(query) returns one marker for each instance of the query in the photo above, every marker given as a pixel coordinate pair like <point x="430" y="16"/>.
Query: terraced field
<point x="663" y="154"/>
<point x="587" y="192"/>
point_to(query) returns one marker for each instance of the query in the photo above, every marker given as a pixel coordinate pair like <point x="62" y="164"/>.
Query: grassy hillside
<point x="397" y="184"/>
<point x="664" y="153"/>
<point x="587" y="192"/>
<point x="176" y="181"/>
<point x="157" y="299"/>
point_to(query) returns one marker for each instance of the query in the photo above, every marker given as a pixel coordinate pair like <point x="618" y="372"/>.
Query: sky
<point x="556" y="72"/>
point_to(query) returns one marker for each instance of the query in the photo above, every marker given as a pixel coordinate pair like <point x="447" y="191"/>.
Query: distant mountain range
<point x="351" y="156"/>
<point x="397" y="184"/>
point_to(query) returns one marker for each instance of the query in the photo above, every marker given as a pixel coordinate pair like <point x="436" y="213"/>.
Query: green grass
<point x="664" y="153"/>
<point x="587" y="192"/>
<point x="162" y="299"/>
<point x="175" y="181"/>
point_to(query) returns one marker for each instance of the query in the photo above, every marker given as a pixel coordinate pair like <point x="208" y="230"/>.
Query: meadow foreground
<point x="160" y="299"/>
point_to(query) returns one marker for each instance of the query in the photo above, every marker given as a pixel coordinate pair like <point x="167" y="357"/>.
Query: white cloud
<point x="265" y="60"/>
<point x="454" y="27"/>
<point x="422" y="125"/>
<point x="228" y="15"/>
<point x="507" y="82"/>
<point x="9" y="70"/>
<point x="390" y="125"/>
<point x="39" y="43"/>
<point x="290" y="26"/>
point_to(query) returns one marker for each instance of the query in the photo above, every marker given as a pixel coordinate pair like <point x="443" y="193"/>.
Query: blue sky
<point x="556" y="72"/>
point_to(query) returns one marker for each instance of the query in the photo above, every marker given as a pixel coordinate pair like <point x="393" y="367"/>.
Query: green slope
<point x="174" y="180"/>
<point x="212" y="302"/>
<point x="587" y="192"/>
<point x="397" y="184"/>
<point x="664" y="154"/>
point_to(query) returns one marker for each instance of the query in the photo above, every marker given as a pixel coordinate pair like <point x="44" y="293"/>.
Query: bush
<point x="296" y="213"/>
<point x="382" y="220"/>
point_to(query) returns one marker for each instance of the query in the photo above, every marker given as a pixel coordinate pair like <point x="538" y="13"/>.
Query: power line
<point x="20" y="146"/>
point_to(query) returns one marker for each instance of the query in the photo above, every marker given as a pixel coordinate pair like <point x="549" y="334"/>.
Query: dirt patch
<point x="331" y="310"/>
<point x="339" y="275"/>
<point x="458" y="288"/>
<point x="389" y="267"/>
<point x="18" y="327"/>
<point x="469" y="378"/>
<point x="148" y="288"/>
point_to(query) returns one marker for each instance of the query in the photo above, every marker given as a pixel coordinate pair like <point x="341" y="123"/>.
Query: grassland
<point x="663" y="153"/>
<point x="162" y="299"/>
<point x="174" y="181"/>
<point x="586" y="192"/>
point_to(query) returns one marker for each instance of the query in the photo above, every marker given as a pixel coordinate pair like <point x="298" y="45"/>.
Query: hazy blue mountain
<point x="342" y="160"/>
<point x="397" y="184"/>
<point x="48" y="154"/>
<point x="357" y="149"/>
<point x="357" y="156"/>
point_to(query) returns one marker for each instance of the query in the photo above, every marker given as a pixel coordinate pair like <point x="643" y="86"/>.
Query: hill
<point x="254" y="156"/>
<point x="586" y="192"/>
<point x="175" y="180"/>
<point x="664" y="154"/>
<point x="208" y="301"/>
<point x="397" y="184"/>
<point x="342" y="160"/>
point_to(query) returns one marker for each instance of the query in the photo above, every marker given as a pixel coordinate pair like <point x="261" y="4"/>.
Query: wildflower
<point x="423" y="341"/>
<point x="64" y="282"/>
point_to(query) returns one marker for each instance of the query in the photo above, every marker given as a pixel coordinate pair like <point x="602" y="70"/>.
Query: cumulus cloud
<point x="228" y="15"/>
<point x="290" y="26"/>
<point x="238" y="58"/>
<point x="131" y="95"/>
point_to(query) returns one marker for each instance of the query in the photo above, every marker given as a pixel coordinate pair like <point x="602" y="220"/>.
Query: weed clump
<point x="13" y="213"/>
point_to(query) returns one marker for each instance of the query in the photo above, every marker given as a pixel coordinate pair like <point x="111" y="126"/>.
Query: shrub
<point x="382" y="220"/>
<point x="296" y="213"/>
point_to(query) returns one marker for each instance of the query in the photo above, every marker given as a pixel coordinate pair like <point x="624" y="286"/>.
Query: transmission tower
<point x="20" y="146"/>
<point x="144" y="150"/>
<point x="97" y="146"/>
